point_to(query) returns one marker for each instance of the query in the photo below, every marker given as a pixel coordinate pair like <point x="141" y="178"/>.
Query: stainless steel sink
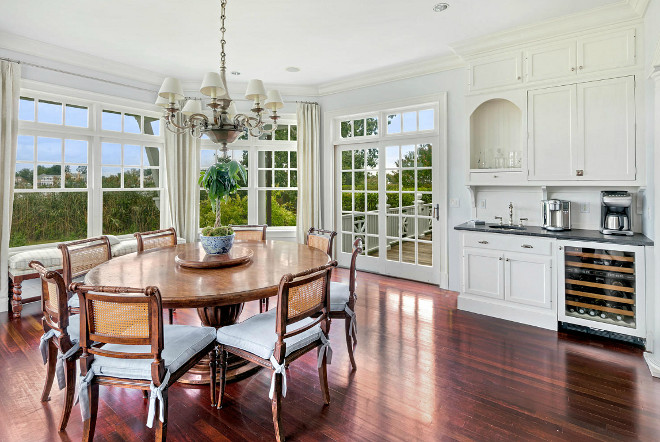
<point x="506" y="227"/>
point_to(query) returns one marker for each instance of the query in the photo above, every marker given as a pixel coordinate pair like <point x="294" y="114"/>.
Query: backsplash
<point x="585" y="204"/>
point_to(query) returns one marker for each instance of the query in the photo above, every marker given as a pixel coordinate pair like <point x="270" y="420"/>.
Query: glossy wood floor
<point x="425" y="372"/>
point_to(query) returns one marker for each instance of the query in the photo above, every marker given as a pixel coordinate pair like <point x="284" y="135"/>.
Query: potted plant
<point x="220" y="181"/>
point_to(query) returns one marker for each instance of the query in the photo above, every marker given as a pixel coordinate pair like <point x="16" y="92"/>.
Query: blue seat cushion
<point x="73" y="329"/>
<point x="181" y="343"/>
<point x="257" y="335"/>
<point x="339" y="295"/>
<point x="74" y="302"/>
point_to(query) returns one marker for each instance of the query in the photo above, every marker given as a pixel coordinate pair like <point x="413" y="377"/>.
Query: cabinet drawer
<point x="508" y="243"/>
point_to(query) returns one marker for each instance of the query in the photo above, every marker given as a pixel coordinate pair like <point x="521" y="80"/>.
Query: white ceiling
<point x="327" y="39"/>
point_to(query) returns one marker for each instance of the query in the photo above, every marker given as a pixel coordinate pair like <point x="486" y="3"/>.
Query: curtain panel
<point x="309" y="168"/>
<point x="10" y="77"/>
<point x="181" y="175"/>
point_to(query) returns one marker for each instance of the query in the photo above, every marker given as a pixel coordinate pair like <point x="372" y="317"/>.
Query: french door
<point x="388" y="195"/>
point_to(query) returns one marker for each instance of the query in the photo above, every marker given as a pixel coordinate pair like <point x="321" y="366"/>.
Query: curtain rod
<point x="307" y="102"/>
<point x="77" y="74"/>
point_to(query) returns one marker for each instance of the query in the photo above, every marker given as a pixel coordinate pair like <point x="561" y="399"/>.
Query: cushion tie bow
<point x="325" y="350"/>
<point x="157" y="393"/>
<point x="277" y="369"/>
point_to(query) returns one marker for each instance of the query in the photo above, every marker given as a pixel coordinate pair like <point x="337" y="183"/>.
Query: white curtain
<point x="309" y="168"/>
<point x="182" y="173"/>
<point x="9" y="94"/>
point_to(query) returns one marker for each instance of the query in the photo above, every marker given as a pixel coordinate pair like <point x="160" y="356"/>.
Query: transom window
<point x="359" y="127"/>
<point x="53" y="112"/>
<point x="130" y="123"/>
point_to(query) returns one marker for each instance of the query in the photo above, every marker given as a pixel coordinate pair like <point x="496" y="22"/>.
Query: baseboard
<point x="653" y="363"/>
<point x="543" y="318"/>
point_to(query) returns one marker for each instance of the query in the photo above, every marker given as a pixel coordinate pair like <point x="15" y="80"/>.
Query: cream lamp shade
<point x="255" y="91"/>
<point x="212" y="85"/>
<point x="162" y="102"/>
<point x="231" y="110"/>
<point x="171" y="90"/>
<point x="192" y="107"/>
<point x="274" y="100"/>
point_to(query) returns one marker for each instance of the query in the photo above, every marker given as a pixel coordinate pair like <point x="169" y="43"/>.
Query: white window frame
<point x="253" y="145"/>
<point x="95" y="136"/>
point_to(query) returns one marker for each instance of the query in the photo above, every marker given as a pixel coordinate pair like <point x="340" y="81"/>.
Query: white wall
<point x="453" y="82"/>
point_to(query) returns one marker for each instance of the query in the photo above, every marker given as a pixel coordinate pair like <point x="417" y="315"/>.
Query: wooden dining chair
<point x="138" y="351"/>
<point x="78" y="258"/>
<point x="299" y="298"/>
<point x="253" y="232"/>
<point x="321" y="239"/>
<point x="157" y="239"/>
<point x="342" y="302"/>
<point x="59" y="344"/>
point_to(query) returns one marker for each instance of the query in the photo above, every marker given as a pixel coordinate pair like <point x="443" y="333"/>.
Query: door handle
<point x="527" y="246"/>
<point x="436" y="212"/>
<point x="483" y="242"/>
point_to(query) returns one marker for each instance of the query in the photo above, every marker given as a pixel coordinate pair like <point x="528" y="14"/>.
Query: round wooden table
<point x="217" y="294"/>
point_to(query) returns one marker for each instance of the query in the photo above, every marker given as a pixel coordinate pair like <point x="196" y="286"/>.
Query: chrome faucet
<point x="510" y="214"/>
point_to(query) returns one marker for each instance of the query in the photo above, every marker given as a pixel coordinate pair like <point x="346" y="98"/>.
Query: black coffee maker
<point x="615" y="212"/>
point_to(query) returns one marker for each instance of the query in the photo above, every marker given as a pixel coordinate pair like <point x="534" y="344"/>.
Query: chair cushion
<point x="113" y="240"/>
<point x="181" y="343"/>
<point x="73" y="329"/>
<point x="257" y="335"/>
<point x="49" y="257"/>
<point x="339" y="295"/>
<point x="124" y="248"/>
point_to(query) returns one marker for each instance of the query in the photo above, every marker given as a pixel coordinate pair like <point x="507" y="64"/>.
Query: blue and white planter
<point x="216" y="245"/>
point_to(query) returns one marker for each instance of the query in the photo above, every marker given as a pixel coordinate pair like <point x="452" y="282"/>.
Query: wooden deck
<point x="425" y="372"/>
<point x="425" y="252"/>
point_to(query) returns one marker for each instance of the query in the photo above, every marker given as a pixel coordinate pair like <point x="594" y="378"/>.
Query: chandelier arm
<point x="174" y="130"/>
<point x="170" y="120"/>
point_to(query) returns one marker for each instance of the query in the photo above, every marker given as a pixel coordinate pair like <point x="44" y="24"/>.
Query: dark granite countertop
<point x="574" y="235"/>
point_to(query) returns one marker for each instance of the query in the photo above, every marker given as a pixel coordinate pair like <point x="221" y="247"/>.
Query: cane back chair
<point x="321" y="239"/>
<point x="252" y="232"/>
<point x="342" y="302"/>
<point x="59" y="345"/>
<point x="78" y="258"/>
<point x="138" y="351"/>
<point x="157" y="239"/>
<point x="296" y="332"/>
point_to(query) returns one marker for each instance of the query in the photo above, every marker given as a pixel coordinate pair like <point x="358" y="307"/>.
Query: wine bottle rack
<point x="601" y="286"/>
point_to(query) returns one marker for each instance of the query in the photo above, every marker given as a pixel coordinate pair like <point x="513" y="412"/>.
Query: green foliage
<point x="222" y="180"/>
<point x="234" y="210"/>
<point x="217" y="231"/>
<point x="130" y="212"/>
<point x="283" y="208"/>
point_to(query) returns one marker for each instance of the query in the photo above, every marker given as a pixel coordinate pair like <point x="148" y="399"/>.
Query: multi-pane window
<point x="359" y="127"/>
<point x="72" y="181"/>
<point x="270" y="195"/>
<point x="411" y="121"/>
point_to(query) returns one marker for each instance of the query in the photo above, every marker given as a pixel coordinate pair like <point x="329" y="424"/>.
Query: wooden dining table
<point x="218" y="294"/>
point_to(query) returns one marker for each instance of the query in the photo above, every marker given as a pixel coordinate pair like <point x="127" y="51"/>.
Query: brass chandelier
<point x="225" y="124"/>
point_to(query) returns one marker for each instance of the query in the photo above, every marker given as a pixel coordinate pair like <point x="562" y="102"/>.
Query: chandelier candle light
<point x="226" y="124"/>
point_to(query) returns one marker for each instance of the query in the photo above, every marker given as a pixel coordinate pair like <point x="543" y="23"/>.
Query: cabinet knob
<point x="561" y="247"/>
<point x="519" y="78"/>
<point x="579" y="67"/>
<point x="500" y="258"/>
<point x="483" y="242"/>
<point x="572" y="69"/>
<point x="494" y="176"/>
<point x="527" y="246"/>
<point x="579" y="172"/>
<point x="507" y="260"/>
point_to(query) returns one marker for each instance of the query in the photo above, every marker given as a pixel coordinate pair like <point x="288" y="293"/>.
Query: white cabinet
<point x="528" y="279"/>
<point x="550" y="61"/>
<point x="509" y="277"/>
<point x="583" y="131"/>
<point x="489" y="73"/>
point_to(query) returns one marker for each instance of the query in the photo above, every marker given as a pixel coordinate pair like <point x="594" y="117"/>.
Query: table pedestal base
<point x="237" y="367"/>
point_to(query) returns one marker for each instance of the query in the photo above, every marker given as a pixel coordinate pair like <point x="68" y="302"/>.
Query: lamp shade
<point x="162" y="102"/>
<point x="231" y="110"/>
<point x="255" y="91"/>
<point x="171" y="90"/>
<point x="192" y="107"/>
<point x="274" y="100"/>
<point x="212" y="85"/>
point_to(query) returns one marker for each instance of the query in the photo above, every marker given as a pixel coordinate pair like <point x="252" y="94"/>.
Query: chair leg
<point x="50" y="370"/>
<point x="263" y="307"/>
<point x="223" y="373"/>
<point x="145" y="394"/>
<point x="70" y="390"/>
<point x="350" y="344"/>
<point x="161" y="427"/>
<point x="276" y="405"/>
<point x="213" y="365"/>
<point x="323" y="378"/>
<point x="89" y="426"/>
<point x="171" y="315"/>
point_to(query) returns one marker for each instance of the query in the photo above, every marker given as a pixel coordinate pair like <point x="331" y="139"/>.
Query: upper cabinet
<point x="613" y="50"/>
<point x="495" y="72"/>
<point x="550" y="61"/>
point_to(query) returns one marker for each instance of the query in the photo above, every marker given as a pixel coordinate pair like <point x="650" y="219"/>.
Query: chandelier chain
<point x="223" y="5"/>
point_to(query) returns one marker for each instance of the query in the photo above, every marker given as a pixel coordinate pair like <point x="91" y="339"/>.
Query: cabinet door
<point x="528" y="279"/>
<point x="483" y="272"/>
<point x="606" y="51"/>
<point x="550" y="61"/>
<point x="606" y="122"/>
<point x="495" y="72"/>
<point x="552" y="124"/>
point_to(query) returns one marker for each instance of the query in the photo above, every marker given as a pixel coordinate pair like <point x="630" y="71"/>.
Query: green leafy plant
<point x="217" y="231"/>
<point x="220" y="181"/>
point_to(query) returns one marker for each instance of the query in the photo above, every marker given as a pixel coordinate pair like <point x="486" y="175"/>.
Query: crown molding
<point x="47" y="51"/>
<point x="394" y="73"/>
<point x="617" y="13"/>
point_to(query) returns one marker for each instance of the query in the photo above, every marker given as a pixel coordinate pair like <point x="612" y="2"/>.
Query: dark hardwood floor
<point x="425" y="372"/>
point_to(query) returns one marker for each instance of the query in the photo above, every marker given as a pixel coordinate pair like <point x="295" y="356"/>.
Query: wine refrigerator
<point x="602" y="287"/>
